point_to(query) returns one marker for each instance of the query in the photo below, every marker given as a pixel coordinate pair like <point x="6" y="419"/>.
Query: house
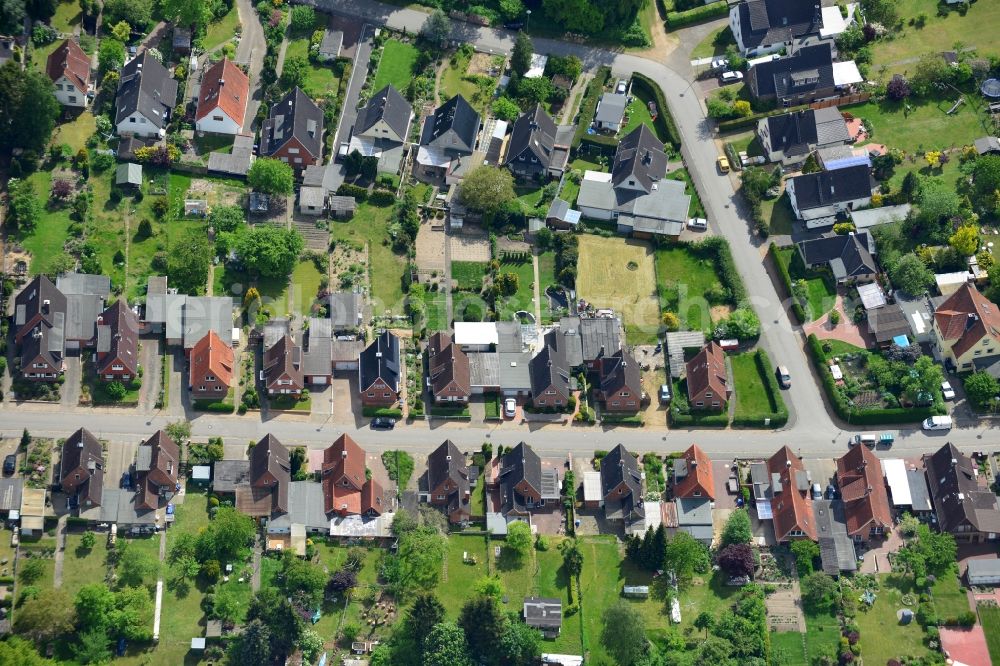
<point x="987" y="145"/>
<point x="619" y="382"/>
<point x="707" y="381"/>
<point x="447" y="482"/>
<point x="907" y="488"/>
<point x="128" y="174"/>
<point x="11" y="490"/>
<point x="283" y="367"/>
<point x="85" y="296"/>
<point x="43" y="350"/>
<point x="848" y="256"/>
<point x="805" y="76"/>
<point x="550" y="374"/>
<point x="694" y="516"/>
<point x="117" y="357"/>
<point x="766" y="26"/>
<point x="543" y="614"/>
<point x="609" y="116"/>
<point x="329" y="47"/>
<point x="68" y="67"/>
<point x="862" y="490"/>
<point x="211" y="372"/>
<point x="621" y="487"/>
<point x="965" y="508"/>
<point x="791" y="504"/>
<point x="448" y="375"/>
<point x="379" y="371"/>
<point x="317" y="358"/>
<point x="38" y="302"/>
<point x="346" y="312"/>
<point x="966" y="326"/>
<point x="293" y="131"/>
<point x="265" y="492"/>
<point x="81" y="468"/>
<point x="537" y="148"/>
<point x="157" y="462"/>
<point x="346" y="490"/>
<point x="520" y="483"/>
<point x="635" y="193"/>
<point x="886" y="323"/>
<point x="146" y="97"/>
<point x="819" y="198"/>
<point x="791" y="137"/>
<point x="187" y="319"/>
<point x="382" y="129"/>
<point x="561" y="216"/>
<point x="449" y="134"/>
<point x="693" y="475"/>
<point x="222" y="99"/>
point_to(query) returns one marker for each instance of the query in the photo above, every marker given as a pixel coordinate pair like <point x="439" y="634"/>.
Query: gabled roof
<point x="380" y="360"/>
<point x="447" y="363"/>
<point x="38" y="298"/>
<point x="707" y="371"/>
<point x="317" y="358"/>
<point x="848" y="255"/>
<point x="619" y="466"/>
<point x="146" y="87"/>
<point x="958" y="497"/>
<point x="81" y="450"/>
<point x="542" y="613"/>
<point x="453" y="126"/>
<point x="283" y="359"/>
<point x="791" y="504"/>
<point x="387" y="105"/>
<point x="862" y="488"/>
<point x="966" y="317"/>
<point x="47" y="342"/>
<point x="343" y="473"/>
<point x="549" y="369"/>
<point x="639" y="157"/>
<point x="345" y="309"/>
<point x="212" y="355"/>
<point x="693" y="474"/>
<point x="270" y="471"/>
<point x="447" y="462"/>
<point x="534" y="131"/>
<point x="799" y="132"/>
<point x="887" y="322"/>
<point x="164" y="459"/>
<point x="84" y="284"/>
<point x="71" y="61"/>
<point x="520" y="464"/>
<point x="294" y="116"/>
<point x="619" y="371"/>
<point x="118" y="337"/>
<point x="773" y="21"/>
<point x="809" y="69"/>
<point x="224" y="86"/>
<point x="823" y="188"/>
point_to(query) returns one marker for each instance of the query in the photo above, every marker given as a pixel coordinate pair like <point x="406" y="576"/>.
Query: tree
<point x="437" y="27"/>
<point x="818" y="591"/>
<point x="303" y="19"/>
<point x="31" y="571"/>
<point x="519" y="644"/>
<point x="518" y="538"/>
<point x="572" y="557"/>
<point x="94" y="604"/>
<point x="45" y="617"/>
<point x="743" y="324"/>
<point x="179" y="431"/>
<point x="737" y="529"/>
<point x="122" y="31"/>
<point x="520" y="56"/>
<point x="23" y="205"/>
<point x="445" y="646"/>
<point x="483" y="621"/>
<point x="624" y="636"/>
<point x="188" y="260"/>
<point x="705" y="621"/>
<point x="981" y="388"/>
<point x="576" y="15"/>
<point x="271" y="176"/>
<point x="487" y="189"/>
<point x="511" y="9"/>
<point x="303" y="578"/>
<point x="226" y="218"/>
<point x="986" y="182"/>
<point x="341" y="581"/>
<point x="136" y="13"/>
<point x="16" y="650"/>
<point x="425" y="612"/>
<point x="670" y="321"/>
<point x="965" y="240"/>
<point x="87" y="540"/>
<point x="188" y="12"/>
<point x="252" y="646"/>
<point x="883" y="12"/>
<point x="230" y="534"/>
<point x="135" y="566"/>
<point x="272" y="608"/>
<point x="133" y="615"/>
<point x="898" y="88"/>
<point x="939" y="204"/>
<point x="115" y="390"/>
<point x="417" y="562"/>
<point x="227" y="605"/>
<point x="294" y="71"/>
<point x="507" y="282"/>
<point x="911" y="275"/>
<point x="269" y="250"/>
<point x="92" y="646"/>
<point x="805" y="552"/>
<point x="737" y="559"/>
<point x="505" y="108"/>
<point x="533" y="91"/>
<point x="28" y="109"/>
<point x="685" y="555"/>
<point x="489" y="586"/>
<point x="110" y="55"/>
<point x="755" y="183"/>
<point x="12" y="13"/>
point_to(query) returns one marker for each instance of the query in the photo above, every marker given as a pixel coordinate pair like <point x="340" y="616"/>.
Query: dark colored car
<point x="383" y="423"/>
<point x="9" y="464"/>
<point x="514" y="25"/>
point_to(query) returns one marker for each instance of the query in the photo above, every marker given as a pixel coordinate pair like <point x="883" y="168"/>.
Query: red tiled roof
<point x="792" y="508"/>
<point x="707" y="371"/>
<point x="224" y="86"/>
<point x="866" y="502"/>
<point x="70" y="60"/>
<point x="372" y="498"/>
<point x="699" y="475"/>
<point x="967" y="317"/>
<point x="213" y="356"/>
<point x="344" y="460"/>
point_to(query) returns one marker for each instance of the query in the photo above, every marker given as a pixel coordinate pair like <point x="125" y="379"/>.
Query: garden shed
<point x="128" y="174"/>
<point x="984" y="572"/>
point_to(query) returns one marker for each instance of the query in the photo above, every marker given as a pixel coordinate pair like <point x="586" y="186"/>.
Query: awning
<point x="433" y="157"/>
<point x="846" y="73"/>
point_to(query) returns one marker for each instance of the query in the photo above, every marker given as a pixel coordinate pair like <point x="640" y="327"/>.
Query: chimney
<point x="45" y="306"/>
<point x="343" y="454"/>
<point x="448" y="458"/>
<point x="788" y="463"/>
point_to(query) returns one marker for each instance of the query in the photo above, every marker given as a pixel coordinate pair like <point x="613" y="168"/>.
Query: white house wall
<point x="226" y="125"/>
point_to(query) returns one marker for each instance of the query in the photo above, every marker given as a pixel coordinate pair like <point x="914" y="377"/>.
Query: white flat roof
<point x="430" y="156"/>
<point x="562" y="659"/>
<point x="846" y="73"/>
<point x="476" y="333"/>
<point x="591" y="486"/>
<point x="871" y="295"/>
<point x="598" y="176"/>
<point x="958" y="277"/>
<point x="538" y="62"/>
<point x="834" y="23"/>
<point x="201" y="472"/>
<point x="499" y="129"/>
<point x="895" y="477"/>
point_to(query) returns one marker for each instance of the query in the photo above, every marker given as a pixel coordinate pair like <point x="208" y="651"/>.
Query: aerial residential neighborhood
<point x="513" y="333"/>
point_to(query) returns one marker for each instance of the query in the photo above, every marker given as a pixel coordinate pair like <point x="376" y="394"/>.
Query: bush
<point x="664" y="121"/>
<point x="698" y="14"/>
<point x="786" y="278"/>
<point x="382" y="198"/>
<point x="372" y="412"/>
<point x="348" y="190"/>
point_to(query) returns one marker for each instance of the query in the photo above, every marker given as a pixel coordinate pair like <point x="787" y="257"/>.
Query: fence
<point x="843" y="100"/>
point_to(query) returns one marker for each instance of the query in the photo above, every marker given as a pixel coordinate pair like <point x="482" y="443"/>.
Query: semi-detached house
<point x="146" y="97"/>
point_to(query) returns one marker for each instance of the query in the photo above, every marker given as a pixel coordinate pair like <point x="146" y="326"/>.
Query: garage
<point x="984" y="572"/>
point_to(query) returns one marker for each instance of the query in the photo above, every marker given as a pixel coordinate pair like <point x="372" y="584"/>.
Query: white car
<point x="937" y="423"/>
<point x="698" y="223"/>
<point x="731" y="77"/>
<point x="948" y="391"/>
<point x="719" y="63"/>
<point x="621" y="87"/>
<point x="509" y="408"/>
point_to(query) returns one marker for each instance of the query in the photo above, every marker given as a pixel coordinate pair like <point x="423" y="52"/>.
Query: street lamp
<point x="527" y="21"/>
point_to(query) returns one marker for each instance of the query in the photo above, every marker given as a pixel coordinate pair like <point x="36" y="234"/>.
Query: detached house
<point x="693" y="475"/>
<point x="805" y="76"/>
<point x="621" y="487"/>
<point x="211" y="371"/>
<point x="265" y="492"/>
<point x="346" y="490"/>
<point x="446" y="482"/>
<point x="69" y="69"/>
<point x="146" y="97"/>
<point x="81" y="469"/>
<point x="383" y="128"/>
<point x="117" y="357"/>
<point x="766" y="26"/>
<point x="379" y="371"/>
<point x="707" y="379"/>
<point x="40" y="329"/>
<point x="447" y="141"/>
<point x="293" y="131"/>
<point x="537" y="148"/>
<point x="283" y="367"/>
<point x="819" y="198"/>
<point x="862" y="489"/>
<point x="550" y="374"/>
<point x="619" y="382"/>
<point x="966" y="328"/>
<point x="791" y="503"/>
<point x="222" y="99"/>
<point x="520" y="483"/>
<point x="790" y="138"/>
<point x="448" y="373"/>
<point x="157" y="462"/>
<point x="849" y="256"/>
<point x="965" y="507"/>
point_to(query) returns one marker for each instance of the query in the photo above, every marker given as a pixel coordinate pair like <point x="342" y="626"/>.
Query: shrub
<point x="676" y="20"/>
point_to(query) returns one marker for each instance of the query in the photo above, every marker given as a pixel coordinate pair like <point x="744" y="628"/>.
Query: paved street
<point x="251" y="50"/>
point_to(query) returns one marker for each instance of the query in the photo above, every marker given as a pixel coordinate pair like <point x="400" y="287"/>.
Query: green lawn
<point x="638" y="114"/>
<point x="570" y="190"/>
<point x="926" y="125"/>
<point x="990" y="619"/>
<point x="788" y="647"/>
<point x="76" y="132"/>
<point x="882" y="636"/>
<point x="453" y="82"/>
<point x="949" y="598"/>
<point x="584" y="164"/>
<point x="305" y="286"/>
<point x="820" y="288"/>
<point x="682" y="279"/>
<point x="273" y="291"/>
<point x="437" y="310"/>
<point x="523" y="298"/>
<point x="320" y="78"/>
<point x="370" y="226"/>
<point x="840" y="348"/>
<point x="333" y="557"/>
<point x="221" y="31"/>
<point x="46" y="240"/>
<point x="396" y="66"/>
<point x="547" y="278"/>
<point x="714" y="44"/>
<point x="779" y="212"/>
<point x="696" y="209"/>
<point x="67" y="16"/>
<point x="84" y="566"/>
<point x="752" y="397"/>
<point x="290" y="403"/>
<point x="99" y="390"/>
<point x="468" y="274"/>
<point x="459" y="578"/>
<point x="823" y="635"/>
<point x="529" y="196"/>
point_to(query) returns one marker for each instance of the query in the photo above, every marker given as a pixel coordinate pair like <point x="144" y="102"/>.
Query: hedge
<point x="780" y="416"/>
<point x="589" y="103"/>
<point x="663" y="118"/>
<point x="347" y="190"/>
<point x="450" y="412"/>
<point x="699" y="14"/>
<point x="220" y="407"/>
<point x="725" y="267"/>
<point x="382" y="198"/>
<point x="623" y="419"/>
<point x="372" y="412"/>
<point x="742" y="123"/>
<point x="699" y="420"/>
<point x="786" y="278"/>
<point x="881" y="416"/>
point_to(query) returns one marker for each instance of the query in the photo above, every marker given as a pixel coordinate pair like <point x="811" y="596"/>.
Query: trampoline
<point x="991" y="88"/>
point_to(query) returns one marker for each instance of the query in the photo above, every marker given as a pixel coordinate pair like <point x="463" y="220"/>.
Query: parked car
<point x="731" y="77"/>
<point x="509" y="408"/>
<point x="720" y="63"/>
<point x="514" y="25"/>
<point x="937" y="423"/>
<point x="698" y="223"/>
<point x="869" y="439"/>
<point x="817" y="491"/>
<point x="9" y="464"/>
<point x="723" y="163"/>
<point x="784" y="378"/>
<point x="665" y="396"/>
<point x="621" y="86"/>
<point x="948" y="391"/>
<point x="383" y="423"/>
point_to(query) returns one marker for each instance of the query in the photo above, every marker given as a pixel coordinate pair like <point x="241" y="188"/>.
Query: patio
<point x="846" y="331"/>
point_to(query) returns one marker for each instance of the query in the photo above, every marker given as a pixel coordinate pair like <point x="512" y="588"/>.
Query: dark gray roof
<point x="453" y="127"/>
<point x="542" y="613"/>
<point x="119" y="506"/>
<point x="848" y="255"/>
<point x="447" y="462"/>
<point x="920" y="498"/>
<point x="147" y="87"/>
<point x="345" y="310"/>
<point x="798" y="133"/>
<point x="39" y="297"/>
<point x="237" y="160"/>
<point x="227" y="474"/>
<point x="318" y="355"/>
<point x="305" y="507"/>
<point x="46" y="341"/>
<point x="836" y="548"/>
<point x="773" y="21"/>
<point x="599" y="336"/>
<point x="617" y="466"/>
<point x="509" y="337"/>
<point x="824" y="188"/>
<point x="81" y="316"/>
<point x="294" y="116"/>
<point x="380" y="360"/>
<point x="808" y="70"/>
<point x="619" y="370"/>
<point x="520" y="463"/>
<point x="274" y="330"/>
<point x="535" y="132"/>
<point x="958" y="497"/>
<point x="10" y="494"/>
<point x="987" y="144"/>
<point x="550" y="368"/>
<point x="887" y="322"/>
<point x="82" y="283"/>
<point x="639" y="157"/>
<point x="387" y="104"/>
<point x="333" y="40"/>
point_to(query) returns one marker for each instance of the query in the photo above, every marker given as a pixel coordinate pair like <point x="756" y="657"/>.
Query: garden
<point x="756" y="391"/>
<point x="620" y="274"/>
<point x="814" y="291"/>
<point x="367" y="229"/>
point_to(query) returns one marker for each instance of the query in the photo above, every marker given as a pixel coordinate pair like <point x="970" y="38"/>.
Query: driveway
<point x="251" y="50"/>
<point x="152" y="369"/>
<point x="69" y="392"/>
<point x="119" y="458"/>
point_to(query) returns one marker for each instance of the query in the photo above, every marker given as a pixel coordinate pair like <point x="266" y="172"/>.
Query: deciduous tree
<point x="28" y="109"/>
<point x="45" y="617"/>
<point x="911" y="275"/>
<point x="188" y="260"/>
<point x="271" y="176"/>
<point x="685" y="555"/>
<point x="737" y="528"/>
<point x="445" y="646"/>
<point x="110" y="55"/>
<point x="188" y="12"/>
<point x="437" y="27"/>
<point x="487" y="189"/>
<point x="981" y="388"/>
<point x="518" y="538"/>
<point x="269" y="250"/>
<point x="624" y="635"/>
<point x="818" y="591"/>
<point x="505" y="108"/>
<point x="737" y="559"/>
<point x="965" y="240"/>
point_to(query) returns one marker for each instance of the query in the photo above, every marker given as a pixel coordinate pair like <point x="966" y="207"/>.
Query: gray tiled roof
<point x="774" y="21"/>
<point x="809" y="69"/>
<point x="147" y="87"/>
<point x="640" y="158"/>
<point x="388" y="105"/>
<point x="611" y="108"/>
<point x="227" y="474"/>
<point x="345" y="310"/>
<point x="824" y="188"/>
<point x="453" y="127"/>
<point x="81" y="316"/>
<point x="296" y="115"/>
<point x="83" y="283"/>
<point x="380" y="360"/>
